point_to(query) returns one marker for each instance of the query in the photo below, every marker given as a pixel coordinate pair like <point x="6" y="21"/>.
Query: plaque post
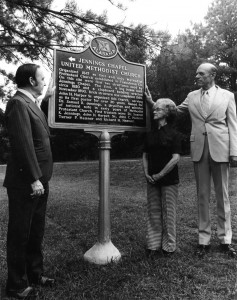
<point x="100" y="92"/>
<point x="103" y="252"/>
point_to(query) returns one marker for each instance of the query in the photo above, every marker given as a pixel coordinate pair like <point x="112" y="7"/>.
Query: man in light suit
<point x="28" y="172"/>
<point x="213" y="146"/>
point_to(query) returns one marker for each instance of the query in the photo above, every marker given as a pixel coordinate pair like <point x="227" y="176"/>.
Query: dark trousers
<point x="25" y="236"/>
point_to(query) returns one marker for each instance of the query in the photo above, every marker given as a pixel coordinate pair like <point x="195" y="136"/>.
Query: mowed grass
<point x="72" y="226"/>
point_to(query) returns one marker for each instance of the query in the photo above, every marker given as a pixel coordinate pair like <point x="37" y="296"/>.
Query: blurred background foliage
<point x="31" y="29"/>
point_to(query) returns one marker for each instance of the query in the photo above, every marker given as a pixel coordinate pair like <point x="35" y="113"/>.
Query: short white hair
<point x="169" y="106"/>
<point x="165" y="102"/>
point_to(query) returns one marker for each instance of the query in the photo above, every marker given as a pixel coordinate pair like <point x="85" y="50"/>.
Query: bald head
<point x="205" y="75"/>
<point x="209" y="67"/>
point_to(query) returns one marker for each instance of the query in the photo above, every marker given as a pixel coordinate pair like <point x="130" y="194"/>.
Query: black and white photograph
<point x="118" y="150"/>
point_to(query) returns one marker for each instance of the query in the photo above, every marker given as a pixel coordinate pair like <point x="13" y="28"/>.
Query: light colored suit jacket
<point x="30" y="158"/>
<point x="220" y="125"/>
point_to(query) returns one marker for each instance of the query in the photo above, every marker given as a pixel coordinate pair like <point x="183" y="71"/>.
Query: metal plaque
<point x="97" y="89"/>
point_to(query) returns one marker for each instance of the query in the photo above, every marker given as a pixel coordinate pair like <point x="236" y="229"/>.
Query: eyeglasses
<point x="159" y="109"/>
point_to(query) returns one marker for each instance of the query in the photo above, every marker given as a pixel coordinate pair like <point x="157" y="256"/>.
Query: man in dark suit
<point x="28" y="172"/>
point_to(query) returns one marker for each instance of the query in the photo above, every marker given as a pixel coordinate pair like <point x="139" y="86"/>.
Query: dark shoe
<point x="27" y="293"/>
<point x="46" y="281"/>
<point x="202" y="250"/>
<point x="152" y="253"/>
<point x="167" y="253"/>
<point x="229" y="250"/>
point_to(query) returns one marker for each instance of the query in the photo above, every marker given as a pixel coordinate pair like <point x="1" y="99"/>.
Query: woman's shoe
<point x="27" y="293"/>
<point x="167" y="253"/>
<point x="153" y="253"/>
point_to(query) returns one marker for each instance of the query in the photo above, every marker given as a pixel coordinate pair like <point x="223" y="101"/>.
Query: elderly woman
<point x="161" y="154"/>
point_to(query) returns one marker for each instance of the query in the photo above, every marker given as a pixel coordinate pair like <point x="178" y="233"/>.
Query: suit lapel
<point x="197" y="102"/>
<point x="35" y="109"/>
<point x="39" y="113"/>
<point x="216" y="101"/>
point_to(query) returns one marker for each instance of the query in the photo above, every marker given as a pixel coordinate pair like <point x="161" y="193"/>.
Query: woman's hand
<point x="149" y="179"/>
<point x="157" y="177"/>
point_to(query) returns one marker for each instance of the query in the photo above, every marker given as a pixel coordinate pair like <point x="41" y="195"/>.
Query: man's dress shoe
<point x="202" y="250"/>
<point x="229" y="250"/>
<point x="46" y="281"/>
<point x="27" y="293"/>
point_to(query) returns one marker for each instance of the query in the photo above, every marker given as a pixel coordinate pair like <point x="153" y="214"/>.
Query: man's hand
<point x="50" y="90"/>
<point x="233" y="161"/>
<point x="148" y="97"/>
<point x="37" y="189"/>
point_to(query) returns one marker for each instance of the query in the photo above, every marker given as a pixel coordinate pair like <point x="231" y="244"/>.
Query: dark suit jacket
<point x="29" y="136"/>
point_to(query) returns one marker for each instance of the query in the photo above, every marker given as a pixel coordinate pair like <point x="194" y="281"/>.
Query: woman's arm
<point x="145" y="168"/>
<point x="168" y="167"/>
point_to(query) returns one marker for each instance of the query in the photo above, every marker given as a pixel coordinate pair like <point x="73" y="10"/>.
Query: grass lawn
<point x="71" y="229"/>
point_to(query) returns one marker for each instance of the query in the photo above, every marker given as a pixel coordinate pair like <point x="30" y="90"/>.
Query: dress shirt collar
<point x="29" y="95"/>
<point x="211" y="91"/>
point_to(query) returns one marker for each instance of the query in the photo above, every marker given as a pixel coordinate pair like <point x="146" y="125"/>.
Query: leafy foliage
<point x="4" y="143"/>
<point x="172" y="72"/>
<point x="220" y="37"/>
<point x="141" y="44"/>
<point x="32" y="29"/>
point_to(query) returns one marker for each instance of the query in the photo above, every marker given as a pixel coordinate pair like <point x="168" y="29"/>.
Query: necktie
<point x="37" y="102"/>
<point x="205" y="102"/>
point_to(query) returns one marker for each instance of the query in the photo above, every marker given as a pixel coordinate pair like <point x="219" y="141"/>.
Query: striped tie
<point x="37" y="102"/>
<point x="205" y="102"/>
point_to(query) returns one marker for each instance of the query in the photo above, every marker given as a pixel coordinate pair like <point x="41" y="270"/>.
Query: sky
<point x="172" y="15"/>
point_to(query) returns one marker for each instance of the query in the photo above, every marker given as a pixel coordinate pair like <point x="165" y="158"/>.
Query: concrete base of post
<point x="102" y="254"/>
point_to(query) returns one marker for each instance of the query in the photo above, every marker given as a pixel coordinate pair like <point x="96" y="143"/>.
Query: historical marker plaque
<point x="97" y="89"/>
